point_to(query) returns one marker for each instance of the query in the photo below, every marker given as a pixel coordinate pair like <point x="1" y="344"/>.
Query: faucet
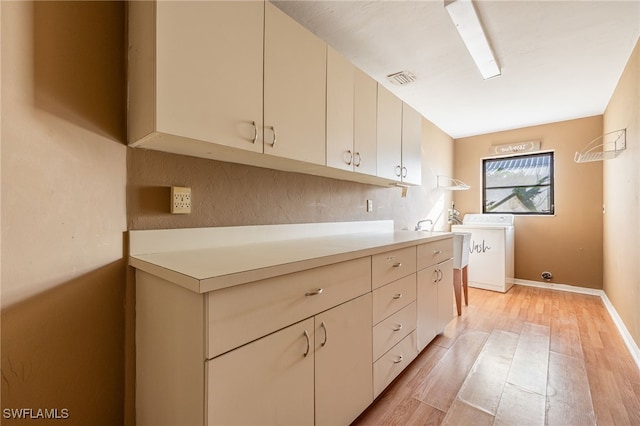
<point x="454" y="215"/>
<point x="419" y="224"/>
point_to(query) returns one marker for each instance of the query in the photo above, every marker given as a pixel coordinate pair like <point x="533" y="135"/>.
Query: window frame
<point x="551" y="185"/>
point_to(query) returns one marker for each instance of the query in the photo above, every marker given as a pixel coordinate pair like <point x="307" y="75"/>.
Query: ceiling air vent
<point x="401" y="78"/>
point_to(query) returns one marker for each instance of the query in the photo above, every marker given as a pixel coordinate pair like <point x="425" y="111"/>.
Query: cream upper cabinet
<point x="294" y="89"/>
<point x="365" y="124"/>
<point x="340" y="111"/>
<point x="411" y="145"/>
<point x="389" y="135"/>
<point x="343" y="359"/>
<point x="351" y="116"/>
<point x="196" y="72"/>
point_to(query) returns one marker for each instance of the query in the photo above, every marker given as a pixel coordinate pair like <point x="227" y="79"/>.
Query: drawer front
<point x="393" y="265"/>
<point x="390" y="298"/>
<point x="434" y="252"/>
<point x="392" y="330"/>
<point x="393" y="362"/>
<point x="240" y="314"/>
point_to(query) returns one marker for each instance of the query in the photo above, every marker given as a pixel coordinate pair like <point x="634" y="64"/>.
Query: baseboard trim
<point x="633" y="348"/>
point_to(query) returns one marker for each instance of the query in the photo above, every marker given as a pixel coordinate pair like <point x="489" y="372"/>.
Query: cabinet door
<point x="344" y="382"/>
<point x="294" y="89"/>
<point x="446" y="297"/>
<point x="389" y="135"/>
<point x="411" y="145"/>
<point x="267" y="382"/>
<point x="427" y="305"/>
<point x="209" y="79"/>
<point x="364" y="123"/>
<point x="340" y="93"/>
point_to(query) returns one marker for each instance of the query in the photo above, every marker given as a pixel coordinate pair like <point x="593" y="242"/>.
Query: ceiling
<point x="560" y="60"/>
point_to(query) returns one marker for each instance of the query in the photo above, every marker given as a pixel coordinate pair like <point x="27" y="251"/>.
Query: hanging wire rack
<point x="451" y="184"/>
<point x="605" y="147"/>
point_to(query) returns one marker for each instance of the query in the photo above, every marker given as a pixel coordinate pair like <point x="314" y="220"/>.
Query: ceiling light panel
<point x="464" y="16"/>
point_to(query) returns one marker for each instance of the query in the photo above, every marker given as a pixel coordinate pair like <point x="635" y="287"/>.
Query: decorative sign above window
<point x="515" y="148"/>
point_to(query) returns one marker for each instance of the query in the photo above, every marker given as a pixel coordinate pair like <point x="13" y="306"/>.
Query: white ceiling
<point x="560" y="59"/>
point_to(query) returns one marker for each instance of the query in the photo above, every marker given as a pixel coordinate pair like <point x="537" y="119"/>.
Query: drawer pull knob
<point x="306" y="336"/>
<point x="399" y="360"/>
<point x="397" y="296"/>
<point x="313" y="292"/>
<point x="397" y="265"/>
<point x="397" y="327"/>
<point x="437" y="252"/>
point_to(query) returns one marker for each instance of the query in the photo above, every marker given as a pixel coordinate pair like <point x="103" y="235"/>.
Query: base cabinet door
<point x="445" y="294"/>
<point x="266" y="382"/>
<point x="427" y="305"/>
<point x="344" y="382"/>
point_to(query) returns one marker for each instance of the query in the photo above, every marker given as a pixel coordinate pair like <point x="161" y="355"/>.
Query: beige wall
<point x="621" y="191"/>
<point x="63" y="186"/>
<point x="568" y="244"/>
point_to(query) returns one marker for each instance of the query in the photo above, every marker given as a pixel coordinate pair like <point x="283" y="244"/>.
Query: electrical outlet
<point x="369" y="206"/>
<point x="180" y="200"/>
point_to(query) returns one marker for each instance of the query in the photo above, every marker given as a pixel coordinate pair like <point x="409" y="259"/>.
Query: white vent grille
<point x="401" y="78"/>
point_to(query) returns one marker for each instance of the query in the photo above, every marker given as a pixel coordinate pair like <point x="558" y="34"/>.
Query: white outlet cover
<point x="180" y="200"/>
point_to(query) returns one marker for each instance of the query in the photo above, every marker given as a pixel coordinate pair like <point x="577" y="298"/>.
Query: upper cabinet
<point x="389" y="135"/>
<point x="411" y="145"/>
<point x="399" y="139"/>
<point x="240" y="81"/>
<point x="196" y="72"/>
<point x="295" y="67"/>
<point x="351" y="116"/>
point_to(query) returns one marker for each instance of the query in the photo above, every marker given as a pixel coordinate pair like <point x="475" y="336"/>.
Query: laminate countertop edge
<point x="208" y="269"/>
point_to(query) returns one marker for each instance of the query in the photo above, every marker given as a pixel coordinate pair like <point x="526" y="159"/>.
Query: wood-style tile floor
<point x="529" y="357"/>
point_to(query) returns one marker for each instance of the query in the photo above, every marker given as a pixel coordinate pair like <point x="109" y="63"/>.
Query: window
<point x="520" y="185"/>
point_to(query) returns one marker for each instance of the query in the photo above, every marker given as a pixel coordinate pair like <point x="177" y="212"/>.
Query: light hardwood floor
<point x="529" y="357"/>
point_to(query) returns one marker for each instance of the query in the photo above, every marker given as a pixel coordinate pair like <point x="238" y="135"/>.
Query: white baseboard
<point x="634" y="350"/>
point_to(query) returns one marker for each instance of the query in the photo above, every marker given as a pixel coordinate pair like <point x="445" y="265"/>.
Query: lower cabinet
<point x="324" y="361"/>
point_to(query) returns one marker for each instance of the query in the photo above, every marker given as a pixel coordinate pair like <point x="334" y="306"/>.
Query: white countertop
<point x="205" y="269"/>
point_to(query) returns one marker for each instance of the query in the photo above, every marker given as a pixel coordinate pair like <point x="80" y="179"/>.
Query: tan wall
<point x="63" y="188"/>
<point x="569" y="244"/>
<point x="621" y="190"/>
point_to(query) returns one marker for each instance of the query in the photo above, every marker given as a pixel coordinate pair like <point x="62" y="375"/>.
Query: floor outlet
<point x="180" y="200"/>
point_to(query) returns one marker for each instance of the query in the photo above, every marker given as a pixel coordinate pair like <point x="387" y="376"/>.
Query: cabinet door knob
<point x="397" y="327"/>
<point x="397" y="265"/>
<point x="357" y="164"/>
<point x="324" y="327"/>
<point x="437" y="252"/>
<point x="404" y="172"/>
<point x="273" y="129"/>
<point x="434" y="276"/>
<point x="398" y="360"/>
<point x="255" y="132"/>
<point x="397" y="295"/>
<point x="313" y="292"/>
<point x="306" y="336"/>
<point x="398" y="171"/>
<point x="348" y="157"/>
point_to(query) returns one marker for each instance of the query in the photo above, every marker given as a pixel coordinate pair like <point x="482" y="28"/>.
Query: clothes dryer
<point x="491" y="250"/>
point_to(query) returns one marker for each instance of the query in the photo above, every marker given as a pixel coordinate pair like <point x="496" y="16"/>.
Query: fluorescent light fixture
<point x="463" y="14"/>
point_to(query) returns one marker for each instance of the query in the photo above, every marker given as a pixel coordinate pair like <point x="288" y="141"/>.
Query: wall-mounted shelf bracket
<point x="451" y="184"/>
<point x="605" y="147"/>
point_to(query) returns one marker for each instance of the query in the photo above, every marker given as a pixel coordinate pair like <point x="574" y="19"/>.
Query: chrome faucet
<point x="419" y="224"/>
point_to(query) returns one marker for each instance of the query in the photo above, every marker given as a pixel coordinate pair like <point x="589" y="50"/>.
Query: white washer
<point x="491" y="250"/>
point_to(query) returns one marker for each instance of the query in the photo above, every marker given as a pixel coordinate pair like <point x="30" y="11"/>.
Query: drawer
<point x="390" y="298"/>
<point x="393" y="362"/>
<point x="392" y="265"/>
<point x="240" y="314"/>
<point x="434" y="252"/>
<point x="392" y="330"/>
